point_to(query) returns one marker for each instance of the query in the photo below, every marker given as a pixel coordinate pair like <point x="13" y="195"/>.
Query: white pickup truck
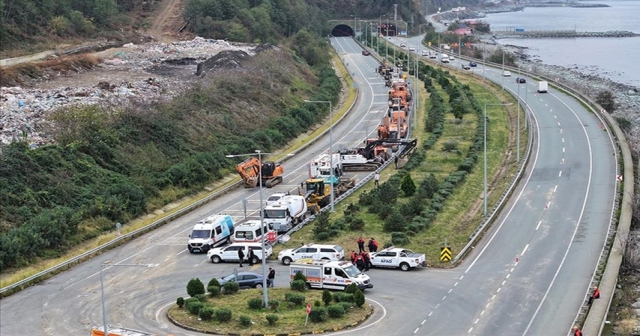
<point x="398" y="257"/>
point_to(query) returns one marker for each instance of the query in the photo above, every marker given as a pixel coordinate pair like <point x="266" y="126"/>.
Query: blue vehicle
<point x="473" y="64"/>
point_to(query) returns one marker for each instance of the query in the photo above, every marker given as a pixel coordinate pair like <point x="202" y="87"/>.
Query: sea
<point x="615" y="58"/>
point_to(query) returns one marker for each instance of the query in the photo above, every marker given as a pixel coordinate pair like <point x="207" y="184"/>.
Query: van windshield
<point x="352" y="271"/>
<point x="275" y="213"/>
<point x="244" y="234"/>
<point x="202" y="234"/>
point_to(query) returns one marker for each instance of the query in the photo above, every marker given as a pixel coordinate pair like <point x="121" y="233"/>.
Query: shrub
<point x="180" y="302"/>
<point x="274" y="304"/>
<point x="205" y="313"/>
<point x="213" y="282"/>
<point x="214" y="290"/>
<point x="317" y="303"/>
<point x="358" y="298"/>
<point x="201" y="297"/>
<point x="351" y="288"/>
<point x="346" y="305"/>
<point x="326" y="297"/>
<point x="231" y="287"/>
<point x="189" y="300"/>
<point x="335" y="310"/>
<point x="195" y="287"/>
<point x="342" y="297"/>
<point x="272" y="318"/>
<point x="395" y="222"/>
<point x="298" y="285"/>
<point x="357" y="224"/>
<point x="300" y="276"/>
<point x="194" y="306"/>
<point x="407" y="185"/>
<point x="223" y="314"/>
<point x="297" y="299"/>
<point x="399" y="238"/>
<point x="323" y="236"/>
<point x="318" y="315"/>
<point x="255" y="303"/>
<point x="245" y="320"/>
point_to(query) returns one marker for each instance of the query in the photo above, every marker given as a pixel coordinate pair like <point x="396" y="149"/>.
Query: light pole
<point x="262" y="226"/>
<point x="485" y="155"/>
<point x="330" y="141"/>
<point x="502" y="77"/>
<point x="380" y="29"/>
<point x="386" y="43"/>
<point x="104" y="306"/>
<point x="371" y="34"/>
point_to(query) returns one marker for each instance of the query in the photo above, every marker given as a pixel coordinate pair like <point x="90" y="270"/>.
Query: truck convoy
<point x="284" y="214"/>
<point x="330" y="274"/>
<point x="210" y="232"/>
<point x="250" y="170"/>
<point x="397" y="258"/>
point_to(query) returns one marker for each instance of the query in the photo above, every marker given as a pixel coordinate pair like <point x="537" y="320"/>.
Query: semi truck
<point x="284" y="214"/>
<point x="323" y="274"/>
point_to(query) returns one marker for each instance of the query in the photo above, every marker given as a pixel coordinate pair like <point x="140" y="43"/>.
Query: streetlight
<point x="330" y="141"/>
<point x="264" y="259"/>
<point x="502" y="77"/>
<point x="485" y="154"/>
<point x="380" y="29"/>
<point x="104" y="307"/>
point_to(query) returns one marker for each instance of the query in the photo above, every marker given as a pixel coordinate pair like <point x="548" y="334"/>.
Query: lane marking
<point x="538" y="226"/>
<point x="555" y="188"/>
<point x="560" y="174"/>
<point x="525" y="250"/>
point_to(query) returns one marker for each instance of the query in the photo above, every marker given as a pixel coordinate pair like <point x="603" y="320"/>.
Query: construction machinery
<point x="393" y="126"/>
<point x="374" y="153"/>
<point x="327" y="168"/>
<point x="249" y="170"/>
<point x="385" y="70"/>
<point x="399" y="90"/>
<point x="318" y="194"/>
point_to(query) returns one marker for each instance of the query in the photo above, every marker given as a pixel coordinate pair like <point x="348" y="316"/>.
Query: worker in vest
<point x="577" y="331"/>
<point x="595" y="294"/>
<point x="360" y="262"/>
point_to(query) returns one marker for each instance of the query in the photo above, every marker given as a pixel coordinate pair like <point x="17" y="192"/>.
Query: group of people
<point x="373" y="245"/>
<point x="594" y="295"/>
<point x="362" y="259"/>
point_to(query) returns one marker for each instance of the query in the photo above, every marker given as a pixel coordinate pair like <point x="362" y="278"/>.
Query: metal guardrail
<point x="17" y="286"/>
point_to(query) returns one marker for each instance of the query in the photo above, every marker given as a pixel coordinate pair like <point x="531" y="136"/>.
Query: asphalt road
<point x="555" y="224"/>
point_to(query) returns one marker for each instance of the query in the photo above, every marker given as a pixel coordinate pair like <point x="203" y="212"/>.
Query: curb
<point x="313" y="332"/>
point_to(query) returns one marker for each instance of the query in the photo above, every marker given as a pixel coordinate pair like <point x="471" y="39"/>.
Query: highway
<point x="555" y="225"/>
<point x="70" y="303"/>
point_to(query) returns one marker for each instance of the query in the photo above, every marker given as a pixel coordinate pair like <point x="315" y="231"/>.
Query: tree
<point x="195" y="287"/>
<point x="395" y="222"/>
<point x="607" y="101"/>
<point x="407" y="185"/>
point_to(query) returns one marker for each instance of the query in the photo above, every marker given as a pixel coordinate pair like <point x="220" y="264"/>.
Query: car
<point x="425" y="53"/>
<point x="403" y="45"/>
<point x="230" y="252"/>
<point x="244" y="279"/>
<point x="313" y="252"/>
<point x="506" y="73"/>
<point x="275" y="198"/>
<point x="520" y="80"/>
<point x="473" y="64"/>
<point x="412" y="48"/>
<point x="366" y="53"/>
<point x="451" y="58"/>
<point x="465" y="66"/>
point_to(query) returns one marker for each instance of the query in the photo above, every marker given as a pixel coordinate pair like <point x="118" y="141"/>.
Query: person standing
<point x="251" y="256"/>
<point x="367" y="260"/>
<point x="376" y="179"/>
<point x="595" y="294"/>
<point x="353" y="257"/>
<point x="361" y="244"/>
<point x="360" y="262"/>
<point x="372" y="245"/>
<point x="271" y="277"/>
<point x="241" y="255"/>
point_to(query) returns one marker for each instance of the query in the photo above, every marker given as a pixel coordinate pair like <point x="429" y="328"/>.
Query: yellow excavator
<point x="318" y="194"/>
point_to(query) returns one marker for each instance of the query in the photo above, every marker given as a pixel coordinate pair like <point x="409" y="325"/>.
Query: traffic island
<point x="243" y="313"/>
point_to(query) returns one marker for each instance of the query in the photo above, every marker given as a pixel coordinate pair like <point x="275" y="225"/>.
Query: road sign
<point x="272" y="236"/>
<point x="308" y="308"/>
<point x="619" y="178"/>
<point x="445" y="254"/>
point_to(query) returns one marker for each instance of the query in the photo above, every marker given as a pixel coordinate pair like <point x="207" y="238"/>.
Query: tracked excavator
<point x="249" y="170"/>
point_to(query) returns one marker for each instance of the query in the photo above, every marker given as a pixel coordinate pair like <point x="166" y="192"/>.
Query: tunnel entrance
<point x="342" y="30"/>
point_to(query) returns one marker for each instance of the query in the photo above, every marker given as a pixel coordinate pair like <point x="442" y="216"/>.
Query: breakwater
<point x="559" y="34"/>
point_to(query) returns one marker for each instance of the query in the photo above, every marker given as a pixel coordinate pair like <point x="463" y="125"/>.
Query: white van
<point x="251" y="232"/>
<point x="209" y="232"/>
<point x="230" y="252"/>
<point x="444" y="58"/>
<point x="330" y="274"/>
<point x="313" y="252"/>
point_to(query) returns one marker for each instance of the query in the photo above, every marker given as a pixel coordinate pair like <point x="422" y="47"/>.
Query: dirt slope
<point x="168" y="20"/>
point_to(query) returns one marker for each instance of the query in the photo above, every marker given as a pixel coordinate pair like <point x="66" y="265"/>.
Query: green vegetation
<point x="243" y="312"/>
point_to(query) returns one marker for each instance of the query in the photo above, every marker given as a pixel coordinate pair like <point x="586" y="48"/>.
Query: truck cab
<point x="285" y="213"/>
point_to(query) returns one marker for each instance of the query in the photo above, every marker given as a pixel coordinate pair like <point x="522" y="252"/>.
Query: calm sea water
<point x="614" y="58"/>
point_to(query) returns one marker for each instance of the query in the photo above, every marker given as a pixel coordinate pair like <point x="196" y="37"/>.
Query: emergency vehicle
<point x="324" y="274"/>
<point x="398" y="257"/>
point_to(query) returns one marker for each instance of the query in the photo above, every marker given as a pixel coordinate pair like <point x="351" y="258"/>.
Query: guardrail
<point x="40" y="276"/>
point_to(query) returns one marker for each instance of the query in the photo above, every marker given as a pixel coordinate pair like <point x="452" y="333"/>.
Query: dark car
<point x="520" y="80"/>
<point x="473" y="64"/>
<point x="244" y="279"/>
<point x="366" y="52"/>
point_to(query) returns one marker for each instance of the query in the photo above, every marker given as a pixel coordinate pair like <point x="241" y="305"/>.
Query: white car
<point x="412" y="48"/>
<point x="313" y="252"/>
<point x="425" y="53"/>
<point x="506" y="73"/>
<point x="451" y="58"/>
<point x="230" y="252"/>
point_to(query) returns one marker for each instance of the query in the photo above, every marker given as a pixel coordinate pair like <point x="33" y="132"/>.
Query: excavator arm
<point x="249" y="170"/>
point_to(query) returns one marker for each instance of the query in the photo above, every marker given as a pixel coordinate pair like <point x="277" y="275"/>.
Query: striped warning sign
<point x="445" y="254"/>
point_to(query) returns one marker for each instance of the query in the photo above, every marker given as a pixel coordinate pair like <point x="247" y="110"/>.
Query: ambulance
<point x="325" y="274"/>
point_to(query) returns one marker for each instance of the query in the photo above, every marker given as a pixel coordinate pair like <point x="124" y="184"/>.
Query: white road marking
<point x="555" y="188"/>
<point x="450" y="290"/>
<point x="538" y="226"/>
<point x="482" y="313"/>
<point x="508" y="275"/>
<point x="455" y="284"/>
<point x="498" y="291"/>
<point x="476" y="322"/>
<point x="525" y="249"/>
<point x="560" y="174"/>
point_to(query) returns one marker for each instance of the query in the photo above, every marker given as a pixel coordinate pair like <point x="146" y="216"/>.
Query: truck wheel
<point x="255" y="260"/>
<point x="286" y="260"/>
<point x="216" y="259"/>
<point x="405" y="267"/>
